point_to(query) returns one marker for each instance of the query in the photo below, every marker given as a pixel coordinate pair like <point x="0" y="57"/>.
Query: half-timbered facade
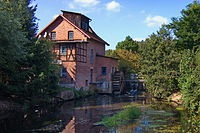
<point x="79" y="50"/>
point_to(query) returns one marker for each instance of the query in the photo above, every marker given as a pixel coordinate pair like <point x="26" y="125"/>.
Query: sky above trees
<point x="113" y="20"/>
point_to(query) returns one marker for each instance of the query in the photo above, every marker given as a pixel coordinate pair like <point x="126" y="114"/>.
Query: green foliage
<point x="159" y="61"/>
<point x="190" y="123"/>
<point x="26" y="68"/>
<point x="187" y="31"/>
<point x="124" y="117"/>
<point x="126" y="52"/>
<point x="187" y="27"/>
<point x="12" y="41"/>
<point x="42" y="75"/>
<point x="128" y="44"/>
<point x="111" y="53"/>
<point x="189" y="80"/>
<point x="128" y="60"/>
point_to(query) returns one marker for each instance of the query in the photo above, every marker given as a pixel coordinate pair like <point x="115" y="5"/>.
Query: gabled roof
<point x="89" y="34"/>
<point x="75" y="13"/>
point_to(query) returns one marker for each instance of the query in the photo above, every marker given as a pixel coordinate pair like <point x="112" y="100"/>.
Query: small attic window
<point x="84" y="25"/>
<point x="70" y="35"/>
<point x="53" y="35"/>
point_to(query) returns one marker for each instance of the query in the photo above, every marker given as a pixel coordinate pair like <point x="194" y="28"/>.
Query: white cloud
<point x="152" y="21"/>
<point x="113" y="6"/>
<point x="83" y="3"/>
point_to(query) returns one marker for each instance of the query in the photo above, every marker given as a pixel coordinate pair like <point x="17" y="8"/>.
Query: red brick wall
<point x="105" y="62"/>
<point x="80" y="72"/>
<point x="83" y="69"/>
<point x="99" y="47"/>
<point x="61" y="27"/>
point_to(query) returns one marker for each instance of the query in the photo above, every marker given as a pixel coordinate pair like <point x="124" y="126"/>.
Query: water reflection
<point x="153" y="119"/>
<point x="81" y="117"/>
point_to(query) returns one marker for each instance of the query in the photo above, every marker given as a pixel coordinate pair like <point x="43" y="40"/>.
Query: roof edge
<point x="76" y="13"/>
<point x="106" y="57"/>
<point x="65" y="20"/>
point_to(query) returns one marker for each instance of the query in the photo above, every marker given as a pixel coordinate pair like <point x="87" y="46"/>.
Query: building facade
<point x="79" y="51"/>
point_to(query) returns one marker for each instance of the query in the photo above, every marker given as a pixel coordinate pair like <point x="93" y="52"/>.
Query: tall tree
<point x="187" y="27"/>
<point x="12" y="41"/>
<point x="26" y="67"/>
<point x="159" y="62"/>
<point x="128" y="44"/>
<point x="128" y="60"/>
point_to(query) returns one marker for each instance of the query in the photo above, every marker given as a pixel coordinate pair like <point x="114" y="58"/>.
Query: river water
<point x="81" y="116"/>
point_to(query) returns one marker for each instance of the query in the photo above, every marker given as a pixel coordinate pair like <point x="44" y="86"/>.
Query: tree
<point x="187" y="27"/>
<point x="12" y="41"/>
<point x="42" y="75"/>
<point x="26" y="65"/>
<point x="187" y="31"/>
<point x="111" y="53"/>
<point x="128" y="44"/>
<point x="189" y="80"/>
<point x="159" y="61"/>
<point x="128" y="60"/>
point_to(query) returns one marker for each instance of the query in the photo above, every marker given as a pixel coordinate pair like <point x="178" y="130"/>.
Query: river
<point x="82" y="115"/>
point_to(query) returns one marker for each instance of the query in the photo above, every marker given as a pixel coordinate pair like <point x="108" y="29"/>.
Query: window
<point x="63" y="50"/>
<point x="91" y="75"/>
<point x="70" y="35"/>
<point x="113" y="70"/>
<point x="53" y="35"/>
<point x="63" y="72"/>
<point x="84" y="25"/>
<point x="91" y="56"/>
<point x="103" y="70"/>
<point x="81" y="52"/>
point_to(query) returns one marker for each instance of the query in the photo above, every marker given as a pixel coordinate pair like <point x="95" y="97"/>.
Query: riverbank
<point x="93" y="109"/>
<point x="64" y="94"/>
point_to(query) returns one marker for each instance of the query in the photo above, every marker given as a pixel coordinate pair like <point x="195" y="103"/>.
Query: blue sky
<point x="113" y="20"/>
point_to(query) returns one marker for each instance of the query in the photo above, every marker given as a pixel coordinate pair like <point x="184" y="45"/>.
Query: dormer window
<point x="84" y="25"/>
<point x="53" y="35"/>
<point x="70" y="35"/>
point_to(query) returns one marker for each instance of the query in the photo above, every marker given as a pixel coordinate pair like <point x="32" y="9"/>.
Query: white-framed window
<point x="63" y="72"/>
<point x="70" y="35"/>
<point x="53" y="35"/>
<point x="63" y="50"/>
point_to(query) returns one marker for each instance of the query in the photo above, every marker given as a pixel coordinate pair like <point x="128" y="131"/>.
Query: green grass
<point x="124" y="117"/>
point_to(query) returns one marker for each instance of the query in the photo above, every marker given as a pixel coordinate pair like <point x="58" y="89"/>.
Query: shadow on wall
<point x="66" y="78"/>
